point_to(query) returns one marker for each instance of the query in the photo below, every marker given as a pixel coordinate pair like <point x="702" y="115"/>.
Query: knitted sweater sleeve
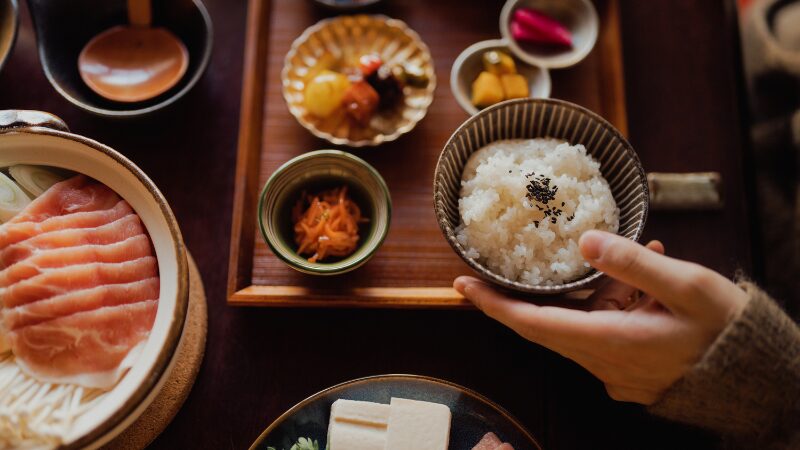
<point x="747" y="385"/>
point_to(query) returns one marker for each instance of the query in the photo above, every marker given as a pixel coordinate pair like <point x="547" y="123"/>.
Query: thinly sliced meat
<point x="71" y="278"/>
<point x="116" y="231"/>
<point x="4" y="344"/>
<point x="48" y="260"/>
<point x="505" y="446"/>
<point x="77" y="194"/>
<point x="80" y="301"/>
<point x="13" y="232"/>
<point x="490" y="441"/>
<point x="88" y="347"/>
<point x="79" y="285"/>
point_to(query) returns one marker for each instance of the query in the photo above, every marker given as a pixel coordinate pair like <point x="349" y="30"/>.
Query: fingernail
<point x="592" y="243"/>
<point x="460" y="284"/>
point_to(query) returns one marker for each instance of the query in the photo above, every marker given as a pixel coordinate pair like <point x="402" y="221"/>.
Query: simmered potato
<point x="323" y="95"/>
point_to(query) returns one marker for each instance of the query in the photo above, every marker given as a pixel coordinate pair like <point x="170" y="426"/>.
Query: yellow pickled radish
<point x="514" y="85"/>
<point x="498" y="63"/>
<point x="323" y="95"/>
<point x="487" y="90"/>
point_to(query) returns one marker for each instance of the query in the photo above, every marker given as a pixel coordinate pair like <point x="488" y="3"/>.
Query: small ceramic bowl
<point x="64" y="28"/>
<point x="9" y="24"/>
<point x="534" y="118"/>
<point x="32" y="137"/>
<point x="579" y="16"/>
<point x="344" y="39"/>
<point x="313" y="172"/>
<point x="469" y="64"/>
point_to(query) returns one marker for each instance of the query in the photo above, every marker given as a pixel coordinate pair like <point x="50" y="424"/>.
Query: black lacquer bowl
<point x="473" y="414"/>
<point x="64" y="27"/>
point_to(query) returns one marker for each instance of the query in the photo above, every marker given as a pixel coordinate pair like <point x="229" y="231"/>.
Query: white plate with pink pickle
<point x="391" y="412"/>
<point x="81" y="223"/>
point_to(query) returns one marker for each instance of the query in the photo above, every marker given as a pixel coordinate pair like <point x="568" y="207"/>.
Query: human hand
<point x="637" y="345"/>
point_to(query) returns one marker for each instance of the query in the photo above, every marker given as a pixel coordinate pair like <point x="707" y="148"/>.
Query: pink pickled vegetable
<point x="530" y="25"/>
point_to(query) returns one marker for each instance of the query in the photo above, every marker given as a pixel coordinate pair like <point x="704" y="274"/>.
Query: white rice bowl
<point x="507" y="232"/>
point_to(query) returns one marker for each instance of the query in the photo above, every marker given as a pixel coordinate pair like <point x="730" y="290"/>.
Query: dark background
<point x="682" y="86"/>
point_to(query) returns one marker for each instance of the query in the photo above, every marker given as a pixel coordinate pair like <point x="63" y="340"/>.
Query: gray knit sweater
<point x="747" y="385"/>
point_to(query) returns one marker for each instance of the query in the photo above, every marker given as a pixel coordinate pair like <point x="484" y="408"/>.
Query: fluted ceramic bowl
<point x="32" y="137"/>
<point x="312" y="172"/>
<point x="345" y="39"/>
<point x="538" y="118"/>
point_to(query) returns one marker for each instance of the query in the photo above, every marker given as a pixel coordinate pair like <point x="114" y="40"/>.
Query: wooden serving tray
<point x="415" y="267"/>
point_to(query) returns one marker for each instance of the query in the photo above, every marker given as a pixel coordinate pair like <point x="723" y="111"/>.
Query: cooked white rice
<point x="499" y="222"/>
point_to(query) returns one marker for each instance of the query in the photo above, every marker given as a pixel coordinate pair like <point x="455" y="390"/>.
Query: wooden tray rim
<point x="241" y="291"/>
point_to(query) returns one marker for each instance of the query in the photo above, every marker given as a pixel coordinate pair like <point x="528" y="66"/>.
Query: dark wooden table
<point x="684" y="112"/>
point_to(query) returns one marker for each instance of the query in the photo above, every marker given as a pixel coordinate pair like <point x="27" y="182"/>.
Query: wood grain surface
<point x="683" y="102"/>
<point x="415" y="263"/>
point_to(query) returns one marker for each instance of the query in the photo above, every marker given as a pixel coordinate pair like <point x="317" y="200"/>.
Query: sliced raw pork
<point x="134" y="247"/>
<point x="85" y="348"/>
<point x="109" y="233"/>
<point x="77" y="194"/>
<point x="14" y="232"/>
<point x="79" y="285"/>
<point x="490" y="441"/>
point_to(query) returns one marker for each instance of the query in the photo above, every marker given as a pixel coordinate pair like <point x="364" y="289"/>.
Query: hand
<point x="638" y="345"/>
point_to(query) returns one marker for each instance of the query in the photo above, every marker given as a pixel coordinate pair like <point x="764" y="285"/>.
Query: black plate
<point x="473" y="414"/>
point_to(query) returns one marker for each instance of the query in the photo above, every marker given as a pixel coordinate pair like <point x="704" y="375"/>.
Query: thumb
<point x="662" y="277"/>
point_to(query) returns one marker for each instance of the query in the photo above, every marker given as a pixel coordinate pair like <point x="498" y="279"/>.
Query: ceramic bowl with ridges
<point x="313" y="171"/>
<point x="535" y="118"/>
<point x="345" y="39"/>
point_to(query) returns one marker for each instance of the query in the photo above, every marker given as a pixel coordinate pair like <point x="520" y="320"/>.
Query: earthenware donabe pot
<point x="33" y="137"/>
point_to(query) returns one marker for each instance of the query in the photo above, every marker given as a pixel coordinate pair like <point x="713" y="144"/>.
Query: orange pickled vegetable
<point x="326" y="224"/>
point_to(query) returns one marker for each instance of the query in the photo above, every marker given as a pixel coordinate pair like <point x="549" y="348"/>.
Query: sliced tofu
<point x="356" y="425"/>
<point x="416" y="425"/>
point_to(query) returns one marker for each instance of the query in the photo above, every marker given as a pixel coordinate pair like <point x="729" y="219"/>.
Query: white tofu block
<point x="416" y="425"/>
<point x="356" y="425"/>
<point x="360" y="412"/>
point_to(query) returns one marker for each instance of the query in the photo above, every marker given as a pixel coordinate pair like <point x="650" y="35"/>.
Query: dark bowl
<point x="533" y="118"/>
<point x="64" y="27"/>
<point x="9" y="24"/>
<point x="473" y="415"/>
<point x="312" y="172"/>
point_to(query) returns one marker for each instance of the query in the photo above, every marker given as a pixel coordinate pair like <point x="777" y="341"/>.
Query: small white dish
<point x="579" y="16"/>
<point x="469" y="64"/>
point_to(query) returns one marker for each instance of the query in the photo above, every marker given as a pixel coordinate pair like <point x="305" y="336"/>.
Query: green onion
<point x="34" y="179"/>
<point x="12" y="198"/>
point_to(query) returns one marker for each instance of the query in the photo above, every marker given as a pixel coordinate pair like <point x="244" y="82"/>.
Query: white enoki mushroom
<point x="36" y="415"/>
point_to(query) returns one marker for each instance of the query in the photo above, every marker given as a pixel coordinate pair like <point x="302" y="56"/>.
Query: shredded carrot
<point x="326" y="224"/>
